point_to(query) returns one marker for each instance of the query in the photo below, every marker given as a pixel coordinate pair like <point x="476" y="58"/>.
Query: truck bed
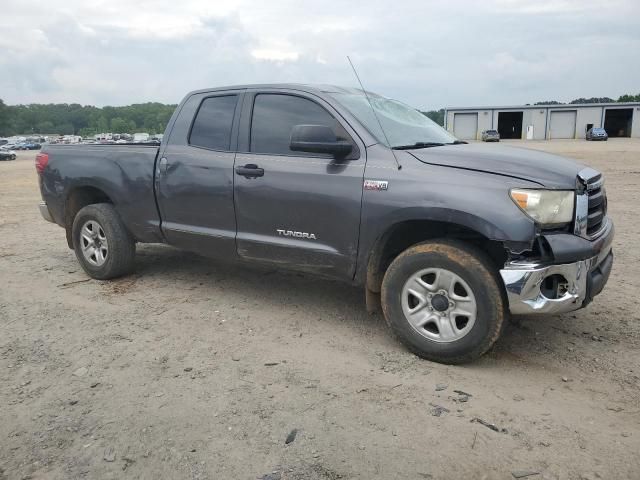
<point x="124" y="172"/>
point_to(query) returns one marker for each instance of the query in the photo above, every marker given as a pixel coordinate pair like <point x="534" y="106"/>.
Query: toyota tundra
<point x="448" y="238"/>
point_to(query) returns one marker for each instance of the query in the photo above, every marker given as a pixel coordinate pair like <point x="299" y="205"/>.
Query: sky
<point x="429" y="54"/>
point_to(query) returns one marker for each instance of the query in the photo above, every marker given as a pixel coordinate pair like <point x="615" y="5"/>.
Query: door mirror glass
<point x="318" y="139"/>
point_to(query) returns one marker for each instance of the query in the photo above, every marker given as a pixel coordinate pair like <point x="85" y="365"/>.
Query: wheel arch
<point x="404" y="234"/>
<point x="76" y="199"/>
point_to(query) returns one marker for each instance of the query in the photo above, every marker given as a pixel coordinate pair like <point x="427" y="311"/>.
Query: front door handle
<point x="250" y="170"/>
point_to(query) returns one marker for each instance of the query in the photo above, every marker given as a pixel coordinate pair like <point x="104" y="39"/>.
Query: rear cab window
<point x="213" y="123"/>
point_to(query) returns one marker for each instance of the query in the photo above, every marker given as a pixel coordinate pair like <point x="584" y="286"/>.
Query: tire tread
<point x="122" y="247"/>
<point x="464" y="254"/>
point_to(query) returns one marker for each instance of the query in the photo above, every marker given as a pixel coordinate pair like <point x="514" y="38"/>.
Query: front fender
<point x="418" y="192"/>
<point x="471" y="220"/>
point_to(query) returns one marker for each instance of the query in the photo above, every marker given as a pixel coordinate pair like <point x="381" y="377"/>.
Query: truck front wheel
<point x="442" y="300"/>
<point x="103" y="246"/>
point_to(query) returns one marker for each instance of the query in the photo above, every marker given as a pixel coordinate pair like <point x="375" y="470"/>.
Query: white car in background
<point x="490" y="136"/>
<point x="7" y="154"/>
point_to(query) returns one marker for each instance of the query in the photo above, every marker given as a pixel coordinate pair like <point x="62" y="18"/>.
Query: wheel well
<point x="77" y="199"/>
<point x="406" y="234"/>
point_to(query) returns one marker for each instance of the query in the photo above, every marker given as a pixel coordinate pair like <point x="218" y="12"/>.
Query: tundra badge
<point x="291" y="233"/>
<point x="376" y="185"/>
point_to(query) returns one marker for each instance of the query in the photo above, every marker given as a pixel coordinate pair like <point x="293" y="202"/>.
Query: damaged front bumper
<point x="558" y="288"/>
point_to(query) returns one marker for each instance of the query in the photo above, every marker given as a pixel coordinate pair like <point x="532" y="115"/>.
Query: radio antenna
<point x="375" y="114"/>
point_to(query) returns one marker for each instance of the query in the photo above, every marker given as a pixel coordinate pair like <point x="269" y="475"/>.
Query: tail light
<point x="41" y="161"/>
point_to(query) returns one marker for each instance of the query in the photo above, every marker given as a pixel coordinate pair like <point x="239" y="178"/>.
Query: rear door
<point x="194" y="176"/>
<point x="300" y="209"/>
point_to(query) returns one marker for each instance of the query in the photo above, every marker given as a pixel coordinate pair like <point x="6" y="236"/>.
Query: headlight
<point x="547" y="207"/>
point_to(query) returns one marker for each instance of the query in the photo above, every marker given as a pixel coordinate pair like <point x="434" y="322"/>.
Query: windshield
<point x="402" y="124"/>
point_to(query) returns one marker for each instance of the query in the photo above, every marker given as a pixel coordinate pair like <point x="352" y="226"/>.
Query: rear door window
<point x="213" y="123"/>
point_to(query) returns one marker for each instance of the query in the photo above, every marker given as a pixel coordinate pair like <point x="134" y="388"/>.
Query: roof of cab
<point x="305" y="87"/>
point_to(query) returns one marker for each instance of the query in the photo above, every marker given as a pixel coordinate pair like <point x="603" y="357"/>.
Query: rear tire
<point x="468" y="290"/>
<point x="103" y="246"/>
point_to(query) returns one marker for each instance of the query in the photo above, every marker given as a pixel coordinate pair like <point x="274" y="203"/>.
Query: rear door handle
<point x="250" y="170"/>
<point x="162" y="167"/>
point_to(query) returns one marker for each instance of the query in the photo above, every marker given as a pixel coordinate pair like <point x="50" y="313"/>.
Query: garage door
<point x="465" y="125"/>
<point x="563" y="124"/>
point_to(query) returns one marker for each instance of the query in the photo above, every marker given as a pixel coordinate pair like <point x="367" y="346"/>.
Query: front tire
<point x="103" y="246"/>
<point x="442" y="299"/>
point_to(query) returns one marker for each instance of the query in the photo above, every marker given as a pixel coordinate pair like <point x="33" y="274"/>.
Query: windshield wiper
<point x="458" y="142"/>
<point x="418" y="145"/>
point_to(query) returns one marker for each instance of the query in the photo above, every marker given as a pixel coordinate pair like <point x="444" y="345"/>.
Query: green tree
<point x="629" y="98"/>
<point x="4" y="119"/>
<point x="98" y="123"/>
<point x="45" y="127"/>
<point x="436" y="115"/>
<point x="88" y="132"/>
<point x="65" y="129"/>
<point x="83" y="119"/>
<point x="118" y="125"/>
<point x="592" y="100"/>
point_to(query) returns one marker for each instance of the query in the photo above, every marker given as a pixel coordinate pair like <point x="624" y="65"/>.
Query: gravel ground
<point x="192" y="369"/>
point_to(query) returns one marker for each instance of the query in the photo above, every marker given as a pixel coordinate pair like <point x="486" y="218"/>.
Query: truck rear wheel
<point x="103" y="246"/>
<point x="442" y="300"/>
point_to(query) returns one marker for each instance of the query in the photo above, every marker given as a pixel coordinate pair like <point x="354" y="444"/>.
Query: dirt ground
<point x="192" y="369"/>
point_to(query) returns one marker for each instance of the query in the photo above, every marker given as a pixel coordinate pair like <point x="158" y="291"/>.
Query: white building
<point x="542" y="122"/>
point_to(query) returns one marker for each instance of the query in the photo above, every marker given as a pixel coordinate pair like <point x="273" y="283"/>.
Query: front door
<point x="296" y="209"/>
<point x="194" y="176"/>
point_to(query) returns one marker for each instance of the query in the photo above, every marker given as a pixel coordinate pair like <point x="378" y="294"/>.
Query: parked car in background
<point x="27" y="146"/>
<point x="597" y="133"/>
<point x="490" y="136"/>
<point x="7" y="155"/>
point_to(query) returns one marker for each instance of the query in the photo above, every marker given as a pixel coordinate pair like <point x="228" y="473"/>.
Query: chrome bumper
<point x="44" y="211"/>
<point x="585" y="279"/>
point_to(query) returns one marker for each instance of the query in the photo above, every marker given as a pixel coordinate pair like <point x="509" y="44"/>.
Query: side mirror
<point x="318" y="139"/>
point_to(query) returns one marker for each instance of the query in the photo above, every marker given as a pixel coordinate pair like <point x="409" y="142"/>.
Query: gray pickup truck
<point x="447" y="238"/>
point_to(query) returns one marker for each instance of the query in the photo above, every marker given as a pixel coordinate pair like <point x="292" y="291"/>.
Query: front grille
<point x="597" y="205"/>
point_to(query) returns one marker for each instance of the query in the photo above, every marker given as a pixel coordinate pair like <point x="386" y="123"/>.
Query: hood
<point x="546" y="169"/>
